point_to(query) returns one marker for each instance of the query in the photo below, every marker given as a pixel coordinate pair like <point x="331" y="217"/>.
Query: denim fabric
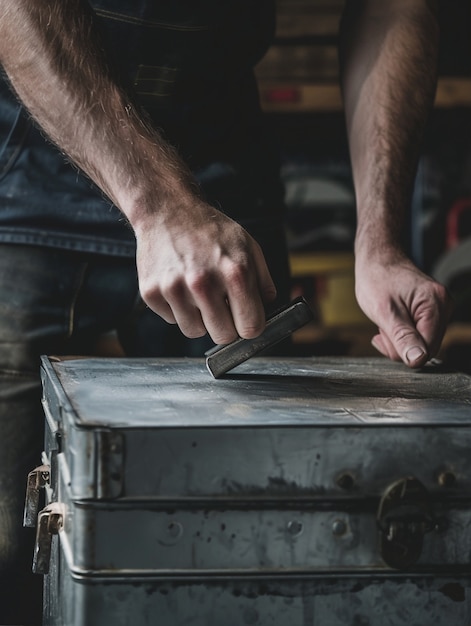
<point x="50" y="301"/>
<point x="190" y="65"/>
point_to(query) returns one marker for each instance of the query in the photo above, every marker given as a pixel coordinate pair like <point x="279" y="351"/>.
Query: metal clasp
<point x="50" y="522"/>
<point x="37" y="480"/>
<point x="405" y="515"/>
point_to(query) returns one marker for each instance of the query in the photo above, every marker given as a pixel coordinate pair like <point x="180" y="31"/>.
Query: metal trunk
<point x="307" y="492"/>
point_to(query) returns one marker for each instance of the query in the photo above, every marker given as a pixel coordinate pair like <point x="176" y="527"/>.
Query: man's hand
<point x="196" y="267"/>
<point x="201" y="270"/>
<point x="388" y="66"/>
<point x="410" y="309"/>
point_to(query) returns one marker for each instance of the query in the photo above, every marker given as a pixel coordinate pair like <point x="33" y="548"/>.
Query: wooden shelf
<point x="285" y="97"/>
<point x="457" y="333"/>
<point x="348" y="340"/>
<point x="330" y="275"/>
<point x="311" y="263"/>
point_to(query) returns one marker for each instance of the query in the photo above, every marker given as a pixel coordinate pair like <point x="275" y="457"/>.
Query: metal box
<point x="300" y="492"/>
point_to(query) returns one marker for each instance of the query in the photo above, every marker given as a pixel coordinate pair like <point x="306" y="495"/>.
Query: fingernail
<point x="414" y="354"/>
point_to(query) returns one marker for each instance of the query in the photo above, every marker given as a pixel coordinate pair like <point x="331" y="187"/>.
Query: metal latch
<point x="50" y="522"/>
<point x="37" y="480"/>
<point x="405" y="515"/>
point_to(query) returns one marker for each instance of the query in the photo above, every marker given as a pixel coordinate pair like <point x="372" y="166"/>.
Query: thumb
<point x="416" y="354"/>
<point x="402" y="342"/>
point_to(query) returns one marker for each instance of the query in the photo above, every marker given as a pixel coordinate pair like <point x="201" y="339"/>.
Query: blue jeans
<point x="60" y="302"/>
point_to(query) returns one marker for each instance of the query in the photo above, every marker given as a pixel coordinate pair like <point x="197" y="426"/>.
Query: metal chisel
<point x="279" y="325"/>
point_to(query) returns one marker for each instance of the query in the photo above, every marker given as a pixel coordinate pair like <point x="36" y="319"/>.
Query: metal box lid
<point x="273" y="428"/>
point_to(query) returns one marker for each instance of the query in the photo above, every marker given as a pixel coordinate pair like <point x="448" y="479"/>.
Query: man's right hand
<point x="203" y="271"/>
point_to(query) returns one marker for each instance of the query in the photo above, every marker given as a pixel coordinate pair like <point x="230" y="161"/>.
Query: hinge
<point x="50" y="522"/>
<point x="38" y="479"/>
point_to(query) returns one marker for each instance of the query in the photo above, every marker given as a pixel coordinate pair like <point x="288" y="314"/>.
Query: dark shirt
<point x="190" y="65"/>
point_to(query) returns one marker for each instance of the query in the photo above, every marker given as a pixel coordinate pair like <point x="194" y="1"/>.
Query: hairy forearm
<point x="196" y="267"/>
<point x="388" y="68"/>
<point x="55" y="64"/>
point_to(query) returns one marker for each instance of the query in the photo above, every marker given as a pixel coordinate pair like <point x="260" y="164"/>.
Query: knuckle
<point x="173" y="288"/>
<point x="199" y="282"/>
<point x="402" y="334"/>
<point x="224" y="338"/>
<point x="149" y="293"/>
<point x="251" y="330"/>
<point x="221" y="329"/>
<point x="237" y="274"/>
<point x="192" y="332"/>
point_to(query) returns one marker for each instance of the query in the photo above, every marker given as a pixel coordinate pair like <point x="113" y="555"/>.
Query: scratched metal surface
<point x="206" y="541"/>
<point x="252" y="499"/>
<point x="322" y="601"/>
<point x="166" y="430"/>
<point x="262" y="391"/>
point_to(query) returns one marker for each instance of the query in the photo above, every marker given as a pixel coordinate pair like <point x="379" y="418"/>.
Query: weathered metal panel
<point x="352" y="601"/>
<point x="254" y="499"/>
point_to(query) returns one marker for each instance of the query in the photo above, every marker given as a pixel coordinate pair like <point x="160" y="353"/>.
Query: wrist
<point x="377" y="245"/>
<point x="153" y="206"/>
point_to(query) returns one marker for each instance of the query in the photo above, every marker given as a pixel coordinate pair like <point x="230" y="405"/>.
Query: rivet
<point x="175" y="530"/>
<point x="345" y="481"/>
<point x="446" y="479"/>
<point x="339" y="527"/>
<point x="294" y="527"/>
